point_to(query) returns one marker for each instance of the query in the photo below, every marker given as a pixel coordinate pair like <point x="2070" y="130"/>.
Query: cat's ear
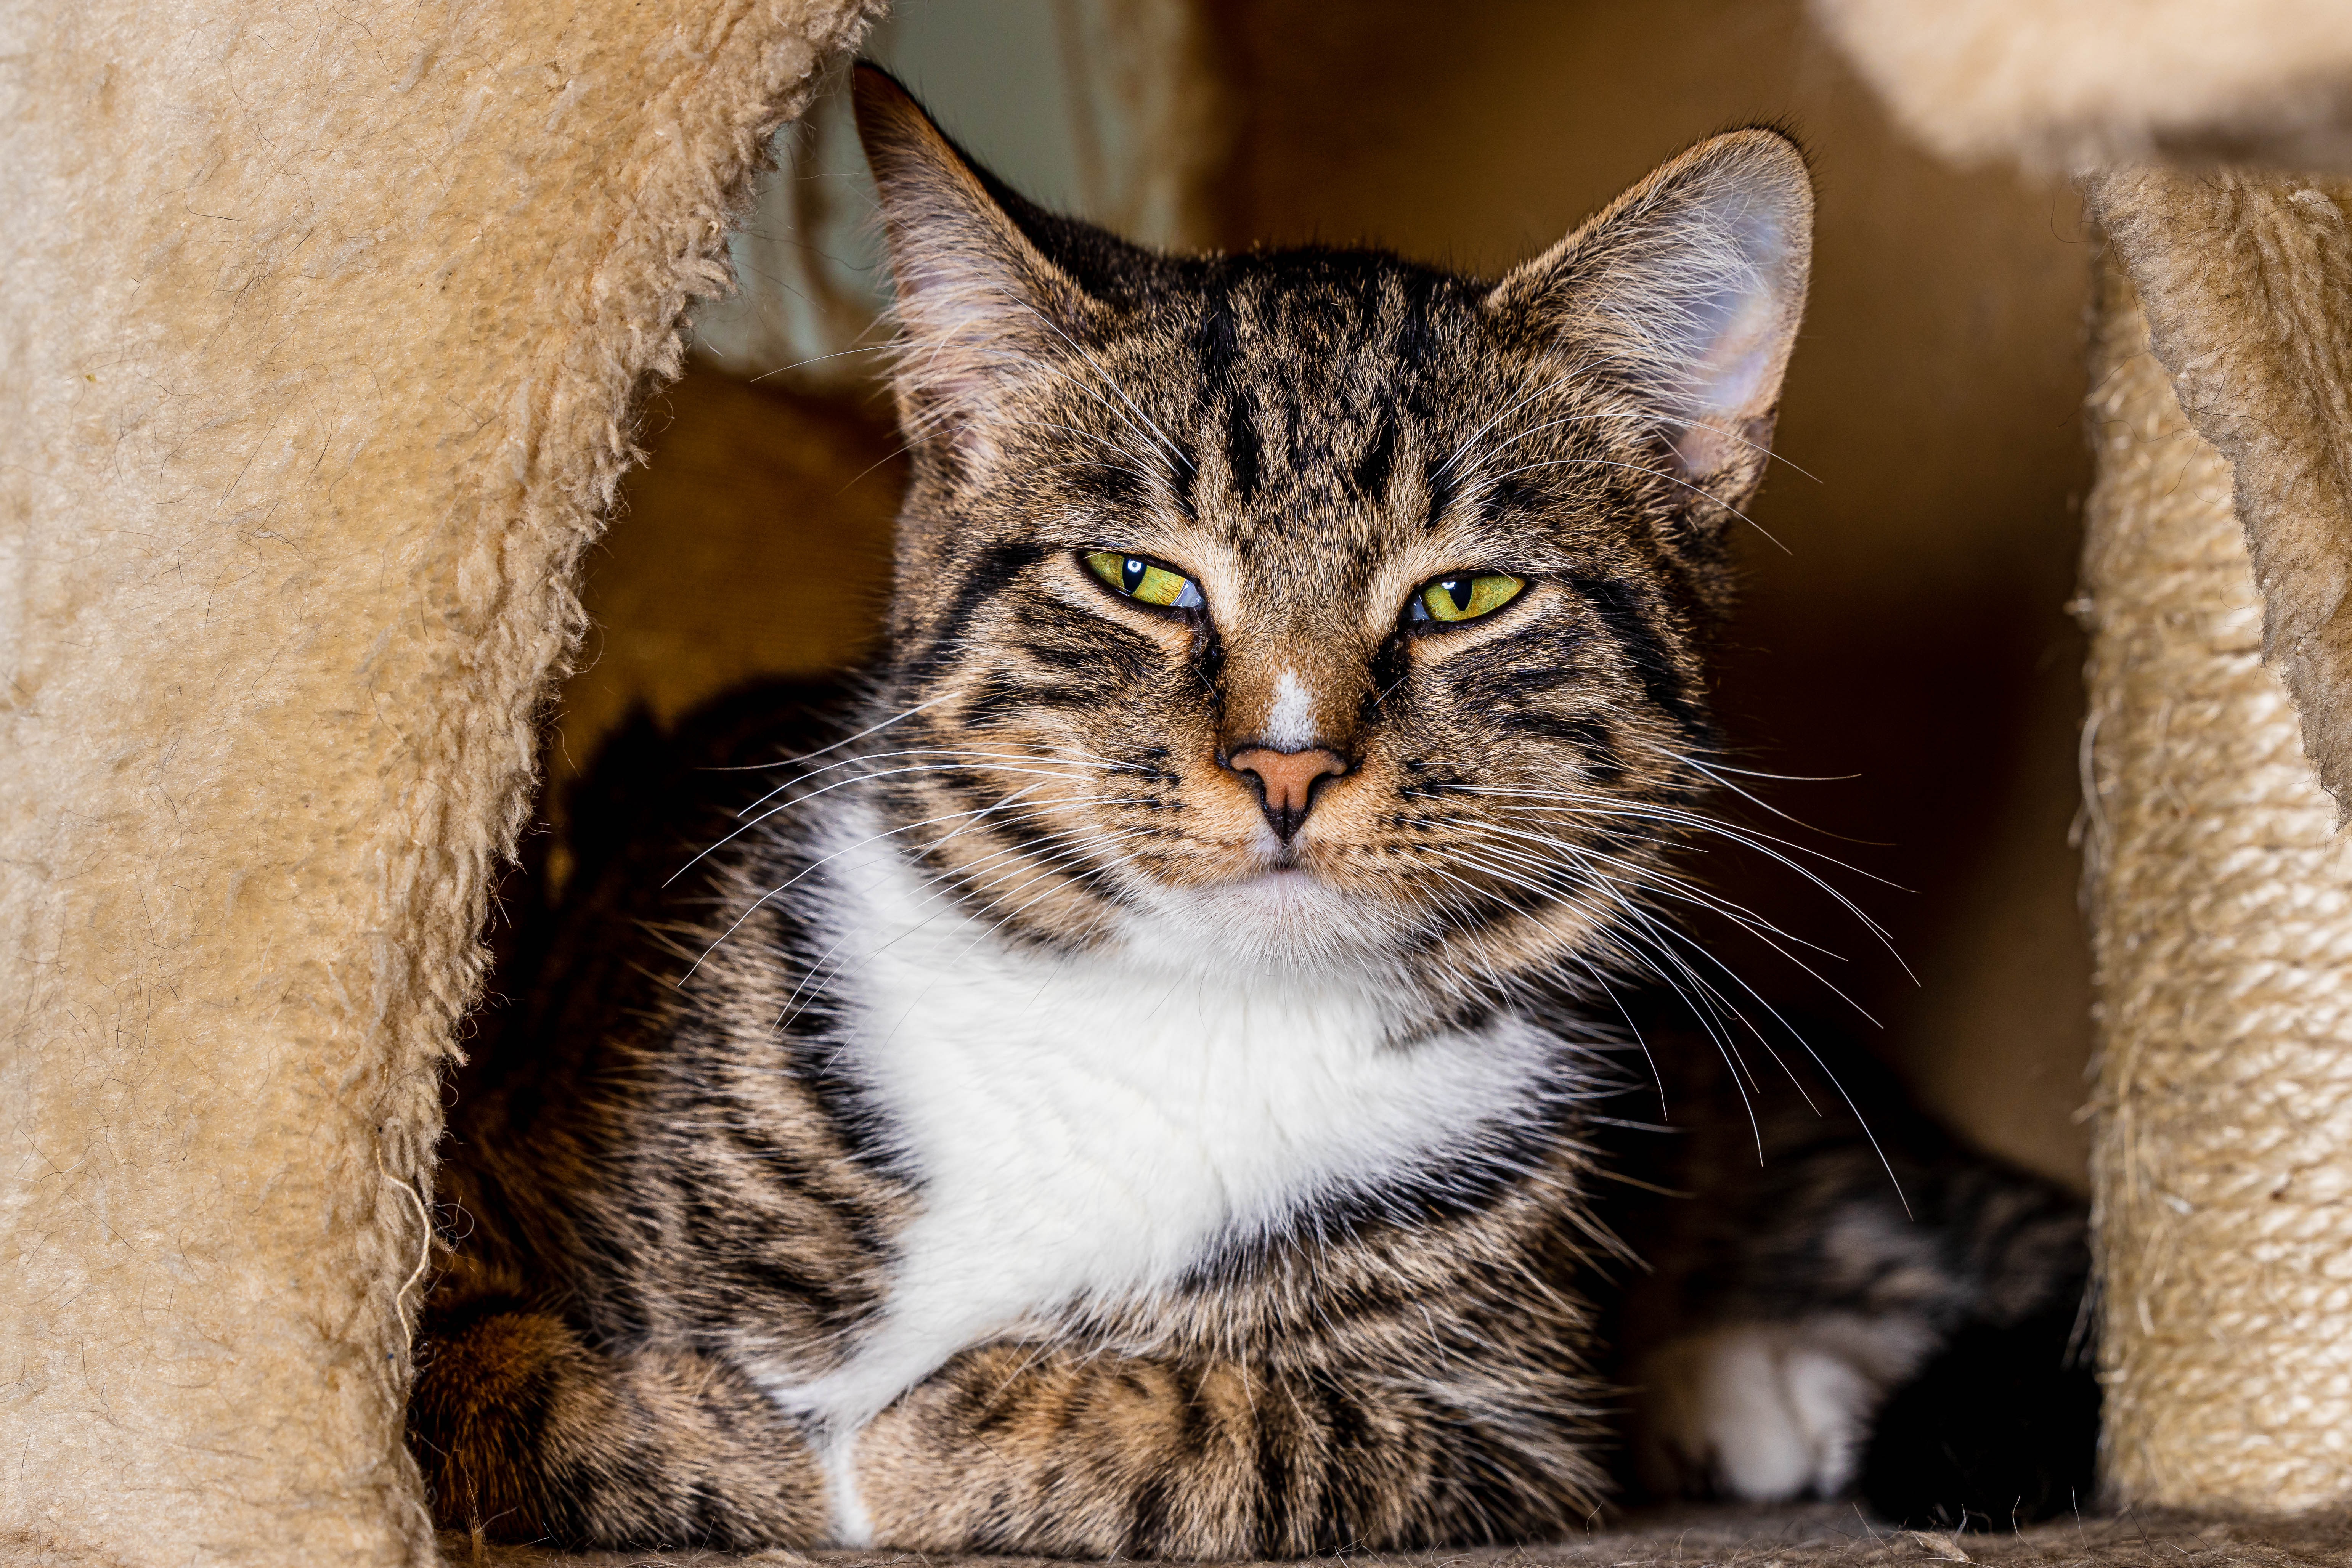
<point x="980" y="306"/>
<point x="1686" y="290"/>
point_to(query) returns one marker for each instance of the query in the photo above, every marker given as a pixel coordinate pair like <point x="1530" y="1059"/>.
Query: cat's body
<point x="1227" y="1236"/>
<point x="1129" y="1087"/>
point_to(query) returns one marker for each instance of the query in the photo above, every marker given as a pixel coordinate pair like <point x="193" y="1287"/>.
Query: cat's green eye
<point x="1145" y="581"/>
<point x="1464" y="597"/>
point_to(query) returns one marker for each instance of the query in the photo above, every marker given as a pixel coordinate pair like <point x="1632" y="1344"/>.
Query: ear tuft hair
<point x="1689" y="288"/>
<point x="980" y="307"/>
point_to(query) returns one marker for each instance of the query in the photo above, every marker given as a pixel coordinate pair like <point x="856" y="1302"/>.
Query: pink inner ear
<point x="1733" y="380"/>
<point x="966" y="335"/>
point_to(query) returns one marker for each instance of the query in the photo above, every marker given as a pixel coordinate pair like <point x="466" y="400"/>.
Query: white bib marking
<point x="1089" y="1127"/>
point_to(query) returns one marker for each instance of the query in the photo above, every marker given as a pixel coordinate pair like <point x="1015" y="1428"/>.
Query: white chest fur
<point x="1090" y="1126"/>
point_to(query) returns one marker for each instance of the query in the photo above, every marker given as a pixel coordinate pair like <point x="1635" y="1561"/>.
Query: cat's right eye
<point x="1146" y="581"/>
<point x="1463" y="597"/>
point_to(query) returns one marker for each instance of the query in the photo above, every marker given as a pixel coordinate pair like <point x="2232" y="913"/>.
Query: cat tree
<point x="324" y="333"/>
<point x="2215" y="578"/>
<point x="325" y="329"/>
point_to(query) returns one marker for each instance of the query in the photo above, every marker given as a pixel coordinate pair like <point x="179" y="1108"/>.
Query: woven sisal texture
<point x="2222" y="903"/>
<point x="322" y="329"/>
<point x="2244" y="279"/>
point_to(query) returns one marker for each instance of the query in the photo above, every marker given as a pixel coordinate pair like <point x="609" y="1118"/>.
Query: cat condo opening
<point x="309" y="475"/>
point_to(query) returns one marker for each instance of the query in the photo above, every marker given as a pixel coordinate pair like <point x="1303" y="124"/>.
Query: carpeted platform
<point x="1701" y="1537"/>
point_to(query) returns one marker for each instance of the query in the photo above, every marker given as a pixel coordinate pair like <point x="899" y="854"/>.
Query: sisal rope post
<point x="2221" y="901"/>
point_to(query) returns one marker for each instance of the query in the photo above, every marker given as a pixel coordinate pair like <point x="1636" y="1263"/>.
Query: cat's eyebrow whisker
<point x="1490" y="480"/>
<point x="1129" y="453"/>
<point x="1642" y="416"/>
<point x="1108" y="468"/>
<point x="1110" y="381"/>
<point x="1581" y="371"/>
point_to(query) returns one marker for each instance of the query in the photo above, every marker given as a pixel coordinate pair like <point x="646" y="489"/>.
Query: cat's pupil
<point x="1458" y="590"/>
<point x="1131" y="575"/>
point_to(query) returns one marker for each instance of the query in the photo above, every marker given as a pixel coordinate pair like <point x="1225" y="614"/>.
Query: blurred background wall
<point x="1903" y="638"/>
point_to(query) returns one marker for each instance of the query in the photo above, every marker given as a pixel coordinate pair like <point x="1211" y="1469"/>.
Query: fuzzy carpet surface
<point x="1834" y="1536"/>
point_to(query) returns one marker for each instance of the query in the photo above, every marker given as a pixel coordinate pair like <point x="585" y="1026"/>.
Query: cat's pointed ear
<point x="980" y="306"/>
<point x="1687" y="290"/>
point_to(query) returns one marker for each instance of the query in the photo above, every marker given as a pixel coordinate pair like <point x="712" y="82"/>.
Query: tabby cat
<point x="1131" y="1083"/>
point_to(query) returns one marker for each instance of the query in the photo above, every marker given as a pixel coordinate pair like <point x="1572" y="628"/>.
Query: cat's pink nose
<point x="1286" y="781"/>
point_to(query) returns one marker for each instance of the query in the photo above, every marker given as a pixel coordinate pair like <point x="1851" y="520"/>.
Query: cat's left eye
<point x="1147" y="582"/>
<point x="1463" y="597"/>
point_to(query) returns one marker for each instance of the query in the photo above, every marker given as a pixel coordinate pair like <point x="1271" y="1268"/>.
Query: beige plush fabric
<point x="2081" y="82"/>
<point x="321" y="327"/>
<point x="2246" y="278"/>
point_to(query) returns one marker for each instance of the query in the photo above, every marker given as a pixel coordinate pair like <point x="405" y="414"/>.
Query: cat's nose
<point x="1286" y="781"/>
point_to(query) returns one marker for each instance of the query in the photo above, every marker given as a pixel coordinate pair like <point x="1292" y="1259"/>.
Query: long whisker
<point x="746" y="826"/>
<point x="1656" y="878"/>
<point x="1079" y="845"/>
<point x="1702" y="1010"/>
<point x="844" y="741"/>
<point x="815" y="973"/>
<point x="1602" y="807"/>
<point x="1072" y="757"/>
<point x="1717" y="773"/>
<point x="789" y="882"/>
<point x="1660" y="932"/>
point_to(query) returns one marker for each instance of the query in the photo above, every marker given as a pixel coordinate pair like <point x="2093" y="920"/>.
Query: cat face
<point x="1315" y="607"/>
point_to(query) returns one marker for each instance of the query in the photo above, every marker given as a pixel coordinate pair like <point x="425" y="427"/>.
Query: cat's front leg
<point x="527" y="1431"/>
<point x="1048" y="1450"/>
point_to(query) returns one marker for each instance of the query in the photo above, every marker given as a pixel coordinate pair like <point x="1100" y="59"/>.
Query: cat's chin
<point x="1281" y="919"/>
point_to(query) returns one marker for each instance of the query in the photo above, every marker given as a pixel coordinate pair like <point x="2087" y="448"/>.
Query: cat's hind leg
<point x="528" y="1432"/>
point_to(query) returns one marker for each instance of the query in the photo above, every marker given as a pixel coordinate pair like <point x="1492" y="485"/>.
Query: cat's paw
<point x="1767" y="1412"/>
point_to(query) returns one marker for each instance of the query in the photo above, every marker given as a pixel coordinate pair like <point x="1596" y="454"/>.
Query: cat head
<point x="1313" y="607"/>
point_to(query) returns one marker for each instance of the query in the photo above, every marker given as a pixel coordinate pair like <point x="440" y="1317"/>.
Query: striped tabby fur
<point x="1126" y="1089"/>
